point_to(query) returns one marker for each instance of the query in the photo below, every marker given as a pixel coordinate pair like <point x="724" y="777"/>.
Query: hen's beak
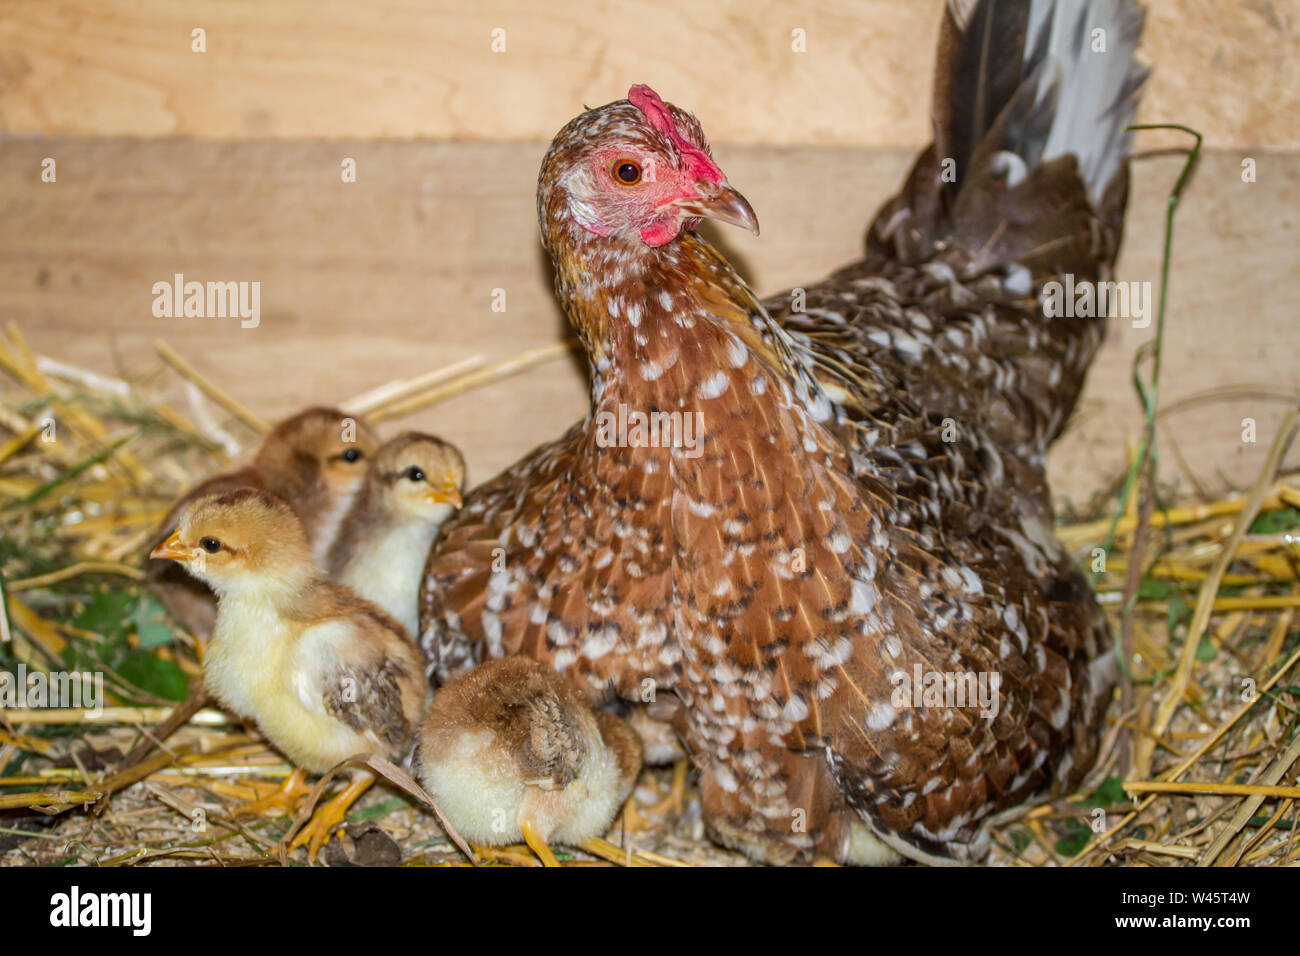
<point x="719" y="201"/>
<point x="171" y="549"/>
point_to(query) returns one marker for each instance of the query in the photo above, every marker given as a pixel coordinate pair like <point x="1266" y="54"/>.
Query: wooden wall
<point x="237" y="178"/>
<point x="289" y="69"/>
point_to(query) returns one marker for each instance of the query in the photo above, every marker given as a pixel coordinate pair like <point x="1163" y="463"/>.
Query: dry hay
<point x="1198" y="762"/>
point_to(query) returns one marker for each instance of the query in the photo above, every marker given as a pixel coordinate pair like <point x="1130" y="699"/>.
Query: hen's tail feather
<point x="1072" y="90"/>
<point x="1032" y="98"/>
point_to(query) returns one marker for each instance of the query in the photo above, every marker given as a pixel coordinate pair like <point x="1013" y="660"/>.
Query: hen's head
<point x="638" y="170"/>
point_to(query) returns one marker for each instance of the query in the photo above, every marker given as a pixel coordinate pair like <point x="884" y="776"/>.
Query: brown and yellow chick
<point x="315" y="462"/>
<point x="511" y="750"/>
<point x="412" y="486"/>
<point x="325" y="674"/>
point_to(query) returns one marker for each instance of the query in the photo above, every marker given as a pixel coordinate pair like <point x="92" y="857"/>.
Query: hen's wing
<point x="984" y="606"/>
<point x="894" y="540"/>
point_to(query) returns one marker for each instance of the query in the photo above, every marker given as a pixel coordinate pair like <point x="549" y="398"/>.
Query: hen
<point x="820" y="523"/>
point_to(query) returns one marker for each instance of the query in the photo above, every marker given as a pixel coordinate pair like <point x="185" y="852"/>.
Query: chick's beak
<point x="448" y="495"/>
<point x="171" y="549"/>
<point x="719" y="201"/>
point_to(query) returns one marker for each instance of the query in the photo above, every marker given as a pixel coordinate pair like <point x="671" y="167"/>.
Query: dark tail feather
<point x="1029" y="162"/>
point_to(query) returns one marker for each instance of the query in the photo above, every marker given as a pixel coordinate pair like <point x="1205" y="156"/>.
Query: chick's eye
<point x="415" y="474"/>
<point x="352" y="454"/>
<point x="627" y="172"/>
<point x="210" y="545"/>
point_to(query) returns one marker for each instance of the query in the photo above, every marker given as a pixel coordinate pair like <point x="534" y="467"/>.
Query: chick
<point x="511" y="750"/>
<point x="314" y="461"/>
<point x="325" y="674"/>
<point x="412" y="486"/>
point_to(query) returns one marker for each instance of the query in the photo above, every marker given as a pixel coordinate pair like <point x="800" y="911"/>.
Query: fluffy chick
<point x="511" y="750"/>
<point x="314" y="461"/>
<point x="324" y="673"/>
<point x="412" y="486"/>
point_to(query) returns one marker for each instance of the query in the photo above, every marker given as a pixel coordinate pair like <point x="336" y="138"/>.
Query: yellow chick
<point x="412" y="486"/>
<point x="325" y="674"/>
<point x="315" y="462"/>
<point x="511" y="750"/>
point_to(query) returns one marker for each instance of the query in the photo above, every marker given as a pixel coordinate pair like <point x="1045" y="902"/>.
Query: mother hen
<point x="819" y="524"/>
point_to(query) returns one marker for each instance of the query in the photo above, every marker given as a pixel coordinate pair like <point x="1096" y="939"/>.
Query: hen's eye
<point x="352" y="454"/>
<point x="627" y="172"/>
<point x="210" y="545"/>
<point x="414" y="473"/>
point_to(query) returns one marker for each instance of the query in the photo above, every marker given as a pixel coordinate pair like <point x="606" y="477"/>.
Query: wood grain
<point x="425" y="68"/>
<point x="394" y="275"/>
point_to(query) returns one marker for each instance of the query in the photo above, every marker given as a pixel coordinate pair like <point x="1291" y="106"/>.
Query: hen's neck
<point x="676" y="334"/>
<point x="659" y="324"/>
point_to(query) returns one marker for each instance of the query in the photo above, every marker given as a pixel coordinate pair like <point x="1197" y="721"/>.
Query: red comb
<point x="698" y="162"/>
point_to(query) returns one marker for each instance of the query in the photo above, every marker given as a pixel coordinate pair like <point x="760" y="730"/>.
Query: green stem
<point x="1149" y="394"/>
<point x="73" y="472"/>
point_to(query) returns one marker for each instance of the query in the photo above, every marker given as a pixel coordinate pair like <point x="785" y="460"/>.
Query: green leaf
<point x="1180" y="612"/>
<point x="151" y="623"/>
<point x="380" y="810"/>
<point x="107" y="613"/>
<point x="1076" y="838"/>
<point x="1206" y="651"/>
<point x="1110" y="792"/>
<point x="1020" y="841"/>
<point x="1153" y="589"/>
<point x="1276" y="521"/>
<point x="155" y="675"/>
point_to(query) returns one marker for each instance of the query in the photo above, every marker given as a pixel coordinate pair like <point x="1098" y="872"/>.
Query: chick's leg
<point x="285" y="799"/>
<point x="317" y="830"/>
<point x="538" y="843"/>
